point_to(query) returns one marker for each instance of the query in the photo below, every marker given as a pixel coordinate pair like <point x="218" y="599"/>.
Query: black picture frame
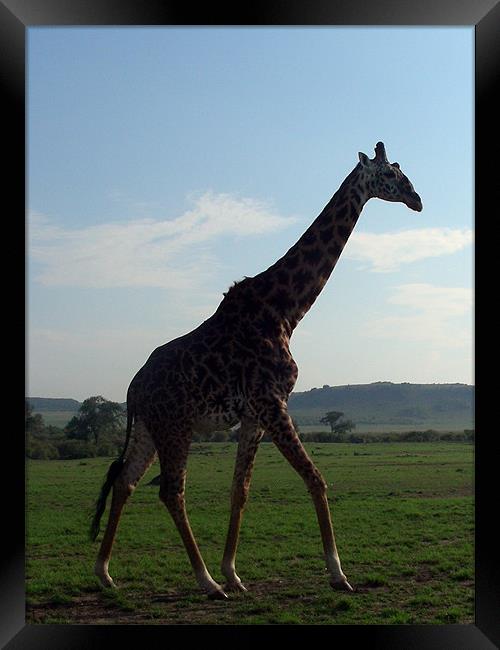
<point x="484" y="16"/>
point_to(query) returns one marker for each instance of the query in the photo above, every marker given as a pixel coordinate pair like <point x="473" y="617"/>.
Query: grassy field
<point x="403" y="518"/>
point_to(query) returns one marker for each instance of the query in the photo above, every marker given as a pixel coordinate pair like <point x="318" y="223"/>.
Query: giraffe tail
<point x="113" y="473"/>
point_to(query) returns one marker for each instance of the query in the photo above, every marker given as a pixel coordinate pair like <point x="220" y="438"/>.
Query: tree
<point x="470" y="435"/>
<point x="344" y="426"/>
<point x="33" y="424"/>
<point x="97" y="417"/>
<point x="337" y="425"/>
<point x="331" y="418"/>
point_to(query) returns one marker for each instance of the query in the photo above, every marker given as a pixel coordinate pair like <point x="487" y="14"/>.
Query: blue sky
<point x="165" y="163"/>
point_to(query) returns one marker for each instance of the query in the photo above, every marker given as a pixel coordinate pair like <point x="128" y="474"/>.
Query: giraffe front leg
<point x="249" y="439"/>
<point x="280" y="426"/>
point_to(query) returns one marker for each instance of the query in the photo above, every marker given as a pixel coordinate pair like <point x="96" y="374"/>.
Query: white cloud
<point x="435" y="315"/>
<point x="439" y="301"/>
<point x="170" y="253"/>
<point x="387" y="251"/>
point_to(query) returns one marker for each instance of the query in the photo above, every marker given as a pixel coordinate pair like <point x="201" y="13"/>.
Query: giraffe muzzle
<point x="414" y="202"/>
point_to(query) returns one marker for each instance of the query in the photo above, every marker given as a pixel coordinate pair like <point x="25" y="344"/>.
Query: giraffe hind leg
<point x="141" y="455"/>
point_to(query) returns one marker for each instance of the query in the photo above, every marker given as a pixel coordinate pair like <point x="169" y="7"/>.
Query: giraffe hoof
<point x="101" y="572"/>
<point x="235" y="586"/>
<point x="218" y="594"/>
<point x="341" y="585"/>
<point x="107" y="582"/>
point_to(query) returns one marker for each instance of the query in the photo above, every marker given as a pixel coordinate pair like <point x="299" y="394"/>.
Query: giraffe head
<point x="386" y="181"/>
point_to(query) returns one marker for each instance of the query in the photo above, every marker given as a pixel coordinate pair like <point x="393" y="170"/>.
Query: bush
<point x="71" y="449"/>
<point x="219" y="436"/>
<point x="420" y="436"/>
<point x="321" y="436"/>
<point x="39" y="450"/>
<point x="108" y="448"/>
<point x="356" y="439"/>
<point x="454" y="437"/>
<point x="406" y="436"/>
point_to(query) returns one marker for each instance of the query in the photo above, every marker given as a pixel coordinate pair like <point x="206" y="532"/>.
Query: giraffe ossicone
<point x="236" y="367"/>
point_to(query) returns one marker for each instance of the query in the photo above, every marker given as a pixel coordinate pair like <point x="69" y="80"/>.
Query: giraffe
<point x="236" y="367"/>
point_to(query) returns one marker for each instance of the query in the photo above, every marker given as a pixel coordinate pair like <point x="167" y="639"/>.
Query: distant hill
<point x="384" y="403"/>
<point x="45" y="404"/>
<point x="377" y="405"/>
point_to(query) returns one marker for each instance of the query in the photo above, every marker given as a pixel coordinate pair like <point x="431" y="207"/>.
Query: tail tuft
<point x="113" y="472"/>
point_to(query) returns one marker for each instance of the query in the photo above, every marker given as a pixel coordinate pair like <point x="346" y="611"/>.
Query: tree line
<point x="98" y="429"/>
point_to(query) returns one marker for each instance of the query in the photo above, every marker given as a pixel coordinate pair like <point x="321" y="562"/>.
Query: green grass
<point x="403" y="519"/>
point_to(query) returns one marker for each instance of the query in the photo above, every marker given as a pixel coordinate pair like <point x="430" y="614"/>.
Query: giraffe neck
<point x="294" y="282"/>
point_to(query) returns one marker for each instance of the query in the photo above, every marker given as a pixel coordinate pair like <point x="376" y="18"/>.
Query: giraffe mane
<point x="236" y="285"/>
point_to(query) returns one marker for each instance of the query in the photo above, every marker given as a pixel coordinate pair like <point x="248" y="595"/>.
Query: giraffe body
<point x="236" y="367"/>
<point x="216" y="374"/>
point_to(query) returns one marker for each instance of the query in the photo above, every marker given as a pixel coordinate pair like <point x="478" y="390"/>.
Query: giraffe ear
<point x="363" y="159"/>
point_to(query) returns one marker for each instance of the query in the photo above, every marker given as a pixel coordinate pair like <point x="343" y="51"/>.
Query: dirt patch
<point x="425" y="574"/>
<point x="165" y="608"/>
<point x="369" y="586"/>
<point x="87" y="609"/>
